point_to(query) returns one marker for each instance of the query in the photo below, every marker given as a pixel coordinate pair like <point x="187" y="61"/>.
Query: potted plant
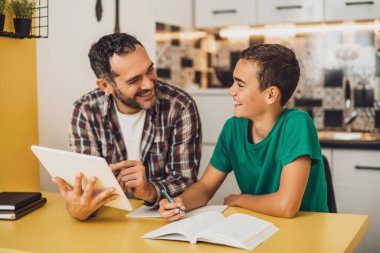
<point x="3" y="10"/>
<point x="23" y="11"/>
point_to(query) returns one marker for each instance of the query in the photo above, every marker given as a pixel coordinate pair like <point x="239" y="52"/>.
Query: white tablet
<point x="67" y="165"/>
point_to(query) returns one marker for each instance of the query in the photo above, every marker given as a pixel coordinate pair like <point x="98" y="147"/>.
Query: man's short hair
<point x="278" y="66"/>
<point x="101" y="51"/>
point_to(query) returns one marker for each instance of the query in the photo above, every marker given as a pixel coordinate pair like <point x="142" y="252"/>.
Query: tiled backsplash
<point x="328" y="62"/>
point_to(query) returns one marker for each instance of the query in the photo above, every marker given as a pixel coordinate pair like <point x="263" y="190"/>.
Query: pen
<point x="170" y="199"/>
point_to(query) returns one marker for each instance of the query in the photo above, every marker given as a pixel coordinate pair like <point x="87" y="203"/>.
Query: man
<point x="148" y="131"/>
<point x="273" y="151"/>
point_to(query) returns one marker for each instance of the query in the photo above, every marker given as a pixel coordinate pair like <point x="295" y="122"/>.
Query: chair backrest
<point x="330" y="189"/>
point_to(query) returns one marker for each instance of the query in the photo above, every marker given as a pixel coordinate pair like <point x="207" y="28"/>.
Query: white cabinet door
<point x="327" y="152"/>
<point x="336" y="10"/>
<point x="356" y="180"/>
<point x="214" y="110"/>
<point x="229" y="185"/>
<point x="279" y="11"/>
<point x="218" y="13"/>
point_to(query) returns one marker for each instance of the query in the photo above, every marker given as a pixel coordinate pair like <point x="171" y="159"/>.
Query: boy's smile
<point x="249" y="100"/>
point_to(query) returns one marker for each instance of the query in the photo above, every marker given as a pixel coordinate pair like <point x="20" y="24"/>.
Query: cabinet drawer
<point x="370" y="242"/>
<point x="214" y="111"/>
<point x="354" y="166"/>
<point x="362" y="199"/>
<point x="229" y="185"/>
<point x="277" y="11"/>
<point x="351" y="9"/>
<point x="218" y="13"/>
<point x="358" y="199"/>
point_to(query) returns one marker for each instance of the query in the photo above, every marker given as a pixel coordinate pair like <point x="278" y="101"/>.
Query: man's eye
<point x="241" y="86"/>
<point x="133" y="81"/>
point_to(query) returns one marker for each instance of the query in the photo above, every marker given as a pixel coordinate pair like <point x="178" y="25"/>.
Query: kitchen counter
<point x="375" y="145"/>
<point x="349" y="140"/>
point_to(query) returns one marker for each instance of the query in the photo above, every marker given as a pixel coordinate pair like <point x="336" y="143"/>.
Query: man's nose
<point x="147" y="83"/>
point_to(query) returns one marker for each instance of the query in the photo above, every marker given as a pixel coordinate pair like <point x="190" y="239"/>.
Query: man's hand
<point x="131" y="176"/>
<point x="82" y="203"/>
<point x="169" y="211"/>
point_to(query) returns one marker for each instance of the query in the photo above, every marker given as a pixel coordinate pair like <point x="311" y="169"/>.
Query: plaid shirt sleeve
<point x="81" y="137"/>
<point x="184" y="154"/>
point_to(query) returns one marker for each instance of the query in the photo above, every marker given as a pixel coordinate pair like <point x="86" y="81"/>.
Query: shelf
<point x="40" y="28"/>
<point x="19" y="36"/>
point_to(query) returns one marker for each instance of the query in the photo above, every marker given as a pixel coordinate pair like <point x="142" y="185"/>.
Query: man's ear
<point x="273" y="95"/>
<point x="105" y="86"/>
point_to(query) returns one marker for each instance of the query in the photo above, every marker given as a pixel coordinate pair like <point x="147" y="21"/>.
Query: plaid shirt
<point x="171" y="139"/>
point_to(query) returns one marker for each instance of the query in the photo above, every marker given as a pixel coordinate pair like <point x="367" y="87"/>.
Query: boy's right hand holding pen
<point x="171" y="209"/>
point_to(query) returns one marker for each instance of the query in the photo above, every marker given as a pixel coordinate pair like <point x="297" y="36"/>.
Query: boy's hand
<point x="232" y="200"/>
<point x="169" y="211"/>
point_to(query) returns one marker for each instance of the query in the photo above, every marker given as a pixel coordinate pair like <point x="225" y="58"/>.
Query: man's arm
<point x="287" y="200"/>
<point x="81" y="137"/>
<point x="184" y="155"/>
<point x="195" y="196"/>
<point x="81" y="203"/>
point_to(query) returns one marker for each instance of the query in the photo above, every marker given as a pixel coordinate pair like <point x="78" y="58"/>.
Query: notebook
<point x="16" y="200"/>
<point x="67" y="165"/>
<point x="150" y="212"/>
<point x="238" y="230"/>
<point x="16" y="214"/>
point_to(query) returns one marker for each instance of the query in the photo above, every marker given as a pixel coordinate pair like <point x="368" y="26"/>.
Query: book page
<point x="186" y="227"/>
<point x="239" y="230"/>
<point x="150" y="212"/>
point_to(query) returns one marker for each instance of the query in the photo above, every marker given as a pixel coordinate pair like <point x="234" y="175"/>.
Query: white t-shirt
<point x="132" y="126"/>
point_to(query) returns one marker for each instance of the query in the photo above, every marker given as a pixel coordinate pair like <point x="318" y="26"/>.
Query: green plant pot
<point x="2" y="19"/>
<point x="22" y="26"/>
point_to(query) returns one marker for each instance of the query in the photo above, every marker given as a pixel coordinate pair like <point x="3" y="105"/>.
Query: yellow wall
<point x="19" y="169"/>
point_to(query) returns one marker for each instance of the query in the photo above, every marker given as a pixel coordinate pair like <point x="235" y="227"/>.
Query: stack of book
<point x="13" y="205"/>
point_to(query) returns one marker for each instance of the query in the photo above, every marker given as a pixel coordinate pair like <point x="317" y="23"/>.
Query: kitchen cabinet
<point x="215" y="107"/>
<point x="280" y="11"/>
<point x="356" y="180"/>
<point x="219" y="13"/>
<point x="327" y="152"/>
<point x="338" y="10"/>
<point x="222" y="13"/>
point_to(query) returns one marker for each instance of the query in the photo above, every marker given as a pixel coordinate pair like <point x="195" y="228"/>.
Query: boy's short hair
<point x="278" y="66"/>
<point x="105" y="47"/>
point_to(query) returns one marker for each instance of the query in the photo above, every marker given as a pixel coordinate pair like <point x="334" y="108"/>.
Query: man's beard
<point x="127" y="101"/>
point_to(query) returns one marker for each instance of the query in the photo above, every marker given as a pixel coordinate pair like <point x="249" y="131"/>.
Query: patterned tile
<point x="356" y="55"/>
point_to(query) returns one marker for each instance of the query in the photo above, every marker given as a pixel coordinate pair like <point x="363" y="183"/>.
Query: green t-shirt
<point x="258" y="167"/>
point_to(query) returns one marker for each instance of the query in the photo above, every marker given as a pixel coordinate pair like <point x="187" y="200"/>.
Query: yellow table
<point x="51" y="229"/>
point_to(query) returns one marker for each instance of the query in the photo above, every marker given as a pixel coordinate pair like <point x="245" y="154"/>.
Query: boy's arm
<point x="197" y="195"/>
<point x="287" y="200"/>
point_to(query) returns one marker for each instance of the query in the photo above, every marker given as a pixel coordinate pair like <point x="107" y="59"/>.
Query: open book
<point x="238" y="230"/>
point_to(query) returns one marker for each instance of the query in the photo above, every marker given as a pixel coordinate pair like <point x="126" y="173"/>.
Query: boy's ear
<point x="273" y="95"/>
<point x="105" y="86"/>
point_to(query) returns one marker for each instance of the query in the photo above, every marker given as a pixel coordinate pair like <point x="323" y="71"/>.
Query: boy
<point x="274" y="152"/>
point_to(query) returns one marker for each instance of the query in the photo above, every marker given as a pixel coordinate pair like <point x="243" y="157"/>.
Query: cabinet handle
<point x="358" y="167"/>
<point x="216" y="12"/>
<point x="360" y="3"/>
<point x="287" y="7"/>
